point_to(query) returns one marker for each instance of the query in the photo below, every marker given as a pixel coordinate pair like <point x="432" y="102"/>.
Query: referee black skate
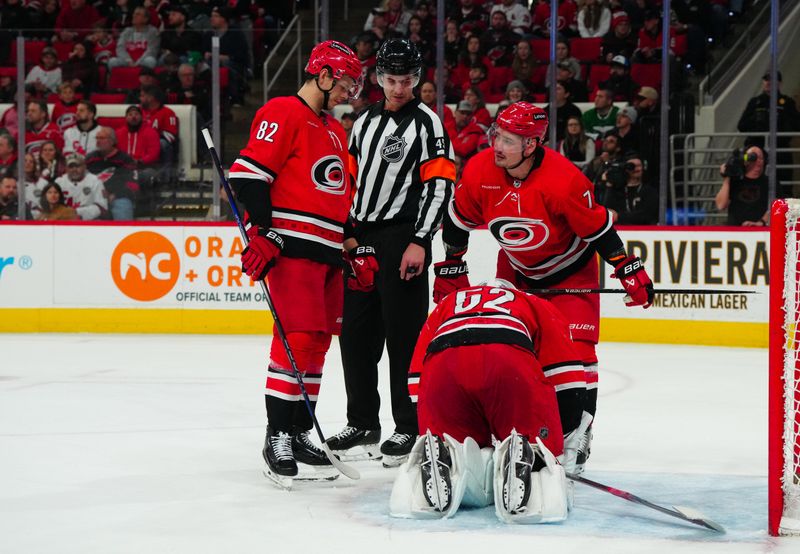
<point x="404" y="178"/>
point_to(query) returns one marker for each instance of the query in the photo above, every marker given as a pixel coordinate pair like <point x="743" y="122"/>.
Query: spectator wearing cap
<point x="498" y="40"/>
<point x="468" y="134"/>
<point x="117" y="171"/>
<point x="603" y="117"/>
<point x="619" y="81"/>
<point x="82" y="138"/>
<point x="177" y="38"/>
<point x="53" y="205"/>
<point x="470" y="17"/>
<point x="746" y="197"/>
<point x="619" y="41"/>
<point x="147" y="78"/>
<point x="576" y="88"/>
<point x="627" y="129"/>
<point x="565" y="110"/>
<point x="164" y="121"/>
<point x="594" y="19"/>
<point x="139" y="141"/>
<point x="138" y="45"/>
<point x="82" y="190"/>
<point x="232" y="52"/>
<point x="518" y="16"/>
<point x="365" y="50"/>
<point x="75" y="19"/>
<point x="39" y="128"/>
<point x="576" y="146"/>
<point x="755" y="118"/>
<point x="646" y="102"/>
<point x="44" y="78"/>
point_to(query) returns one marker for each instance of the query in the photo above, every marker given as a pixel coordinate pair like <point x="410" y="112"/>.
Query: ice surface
<point x="152" y="444"/>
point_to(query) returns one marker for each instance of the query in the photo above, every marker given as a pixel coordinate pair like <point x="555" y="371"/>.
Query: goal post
<point x="784" y="374"/>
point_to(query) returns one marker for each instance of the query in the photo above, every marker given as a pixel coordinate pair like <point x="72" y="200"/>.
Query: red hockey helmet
<point x="341" y="61"/>
<point x="524" y="119"/>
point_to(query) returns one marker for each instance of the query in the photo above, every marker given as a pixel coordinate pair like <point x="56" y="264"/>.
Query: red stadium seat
<point x="538" y="75"/>
<point x="102" y="75"/>
<point x="113" y="122"/>
<point x="539" y="98"/>
<point x="224" y="77"/>
<point x="33" y="51"/>
<point x="540" y="49"/>
<point x="172" y="97"/>
<point x="679" y="45"/>
<point x="8" y="72"/>
<point x="107" y="97"/>
<point x="597" y="74"/>
<point x="63" y="49"/>
<point x="123" y="78"/>
<point x="585" y="49"/>
<point x="52" y="98"/>
<point x="647" y="74"/>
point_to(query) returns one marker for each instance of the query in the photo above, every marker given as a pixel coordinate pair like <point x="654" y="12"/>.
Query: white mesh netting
<point x="790" y="522"/>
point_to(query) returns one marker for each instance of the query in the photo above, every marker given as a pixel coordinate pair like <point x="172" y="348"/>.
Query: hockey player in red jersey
<point x="292" y="179"/>
<point x="492" y="361"/>
<point x="541" y="210"/>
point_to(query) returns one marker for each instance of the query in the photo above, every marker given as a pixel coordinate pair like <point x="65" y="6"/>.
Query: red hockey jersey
<point x="49" y="131"/>
<point x="488" y="315"/>
<point x="544" y="224"/>
<point x="163" y="120"/>
<point x="302" y="157"/>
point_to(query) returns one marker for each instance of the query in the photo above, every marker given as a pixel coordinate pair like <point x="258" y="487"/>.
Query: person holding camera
<point x="630" y="200"/>
<point x="745" y="188"/>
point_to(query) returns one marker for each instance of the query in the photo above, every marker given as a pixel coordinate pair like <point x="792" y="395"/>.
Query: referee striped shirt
<point x="402" y="164"/>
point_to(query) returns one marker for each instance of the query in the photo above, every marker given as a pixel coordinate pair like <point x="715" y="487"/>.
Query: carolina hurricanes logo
<point x="519" y="234"/>
<point x="328" y="175"/>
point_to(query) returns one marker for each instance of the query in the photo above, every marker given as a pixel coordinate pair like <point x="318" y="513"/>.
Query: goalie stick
<point x="345" y="469"/>
<point x="681" y="512"/>
<point x="622" y="291"/>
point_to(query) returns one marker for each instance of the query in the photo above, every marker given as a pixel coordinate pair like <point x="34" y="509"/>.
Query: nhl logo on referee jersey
<point x="393" y="148"/>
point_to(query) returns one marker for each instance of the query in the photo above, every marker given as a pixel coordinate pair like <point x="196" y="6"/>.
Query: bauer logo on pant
<point x="145" y="266"/>
<point x="393" y="148"/>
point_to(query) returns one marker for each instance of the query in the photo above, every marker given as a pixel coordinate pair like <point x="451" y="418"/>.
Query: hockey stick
<point x="681" y="512"/>
<point x="623" y="291"/>
<point x="345" y="469"/>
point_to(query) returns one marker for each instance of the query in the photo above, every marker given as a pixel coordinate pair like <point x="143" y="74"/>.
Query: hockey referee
<point x="402" y="163"/>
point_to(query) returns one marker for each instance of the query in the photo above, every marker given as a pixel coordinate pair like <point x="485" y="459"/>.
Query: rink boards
<point x="186" y="278"/>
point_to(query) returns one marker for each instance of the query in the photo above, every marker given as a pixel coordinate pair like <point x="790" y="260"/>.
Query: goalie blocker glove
<point x="451" y="275"/>
<point x="635" y="281"/>
<point x="258" y="258"/>
<point x="363" y="267"/>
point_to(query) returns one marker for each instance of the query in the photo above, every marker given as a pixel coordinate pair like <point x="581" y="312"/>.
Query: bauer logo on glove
<point x="635" y="281"/>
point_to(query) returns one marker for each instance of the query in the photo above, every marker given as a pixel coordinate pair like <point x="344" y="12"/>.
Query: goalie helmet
<point x="524" y="119"/>
<point x="341" y="61"/>
<point x="399" y="56"/>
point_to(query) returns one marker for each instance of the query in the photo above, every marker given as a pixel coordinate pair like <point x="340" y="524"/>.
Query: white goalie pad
<point x="522" y="495"/>
<point x="467" y="469"/>
<point x="478" y="475"/>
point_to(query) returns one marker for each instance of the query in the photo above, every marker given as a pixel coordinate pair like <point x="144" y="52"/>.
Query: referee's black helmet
<point x="399" y="56"/>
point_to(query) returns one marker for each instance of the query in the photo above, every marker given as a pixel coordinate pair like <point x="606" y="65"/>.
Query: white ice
<point x="153" y="444"/>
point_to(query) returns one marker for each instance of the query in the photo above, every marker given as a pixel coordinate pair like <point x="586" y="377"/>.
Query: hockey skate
<point x="396" y="448"/>
<point x="281" y="466"/>
<point x="352" y="444"/>
<point x="517" y="467"/>
<point x="435" y="473"/>
<point x="314" y="464"/>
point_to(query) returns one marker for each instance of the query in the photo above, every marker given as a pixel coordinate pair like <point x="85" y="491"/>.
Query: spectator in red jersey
<point x="427" y="94"/>
<point x="44" y="78"/>
<point x="472" y="54"/>
<point x="137" y="45"/>
<point x="164" y="121"/>
<point x="65" y="106"/>
<point x="468" y="134"/>
<point x="74" y="20"/>
<point x="40" y="128"/>
<point x="140" y="142"/>
<point x="80" y="69"/>
<point x="8" y="155"/>
<point x="82" y="138"/>
<point x="50" y="163"/>
<point x="567" y="19"/>
<point x="479" y="78"/>
<point x="117" y="171"/>
<point x="481" y="115"/>
<point x="470" y="16"/>
<point x="104" y="47"/>
<point x="648" y="47"/>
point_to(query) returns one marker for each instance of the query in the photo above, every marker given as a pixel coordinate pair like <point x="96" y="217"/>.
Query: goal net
<point x="784" y="361"/>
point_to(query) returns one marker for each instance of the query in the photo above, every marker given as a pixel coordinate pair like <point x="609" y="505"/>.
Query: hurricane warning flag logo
<point x="328" y="175"/>
<point x="519" y="233"/>
<point x="145" y="266"/>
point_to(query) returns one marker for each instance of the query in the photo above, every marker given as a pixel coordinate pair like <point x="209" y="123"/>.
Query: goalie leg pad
<point x="478" y="475"/>
<point x="418" y="491"/>
<point x="529" y="484"/>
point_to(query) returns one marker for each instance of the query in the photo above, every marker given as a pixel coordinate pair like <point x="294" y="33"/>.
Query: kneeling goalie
<point x="493" y="362"/>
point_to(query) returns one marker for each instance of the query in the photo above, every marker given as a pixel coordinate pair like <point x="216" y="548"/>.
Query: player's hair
<point x="42" y="106"/>
<point x="12" y="144"/>
<point x="89" y="105"/>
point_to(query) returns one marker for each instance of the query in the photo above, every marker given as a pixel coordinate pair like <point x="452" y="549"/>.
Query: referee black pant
<point x="393" y="313"/>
